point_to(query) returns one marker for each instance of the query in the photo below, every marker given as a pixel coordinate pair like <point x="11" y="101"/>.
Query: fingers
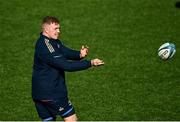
<point x="86" y="47"/>
<point x="83" y="47"/>
<point x="97" y="62"/>
<point x="94" y="62"/>
<point x="101" y="63"/>
<point x="84" y="51"/>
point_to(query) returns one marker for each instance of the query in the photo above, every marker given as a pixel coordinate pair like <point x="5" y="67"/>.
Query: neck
<point x="45" y="34"/>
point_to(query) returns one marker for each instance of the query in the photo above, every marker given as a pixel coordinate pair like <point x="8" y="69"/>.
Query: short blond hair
<point x="49" y="20"/>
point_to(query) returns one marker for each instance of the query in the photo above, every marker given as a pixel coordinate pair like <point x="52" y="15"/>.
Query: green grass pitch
<point x="134" y="84"/>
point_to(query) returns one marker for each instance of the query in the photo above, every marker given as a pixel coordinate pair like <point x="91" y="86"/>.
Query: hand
<point x="84" y="51"/>
<point x="96" y="62"/>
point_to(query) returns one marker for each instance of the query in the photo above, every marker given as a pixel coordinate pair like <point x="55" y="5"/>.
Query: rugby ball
<point x="166" y="51"/>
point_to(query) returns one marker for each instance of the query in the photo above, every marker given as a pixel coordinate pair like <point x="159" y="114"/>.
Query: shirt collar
<point x="43" y="36"/>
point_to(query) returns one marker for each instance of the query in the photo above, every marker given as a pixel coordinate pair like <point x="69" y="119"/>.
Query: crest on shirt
<point x="61" y="108"/>
<point x="49" y="46"/>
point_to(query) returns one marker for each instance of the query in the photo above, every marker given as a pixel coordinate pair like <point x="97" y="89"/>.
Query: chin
<point x="55" y="37"/>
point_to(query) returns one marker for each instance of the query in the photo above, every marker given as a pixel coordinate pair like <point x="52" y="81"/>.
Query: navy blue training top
<point x="51" y="60"/>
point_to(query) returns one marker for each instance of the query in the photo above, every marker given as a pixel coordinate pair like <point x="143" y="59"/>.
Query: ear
<point x="46" y="28"/>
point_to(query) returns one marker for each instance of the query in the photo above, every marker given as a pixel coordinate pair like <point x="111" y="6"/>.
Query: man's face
<point x="52" y="30"/>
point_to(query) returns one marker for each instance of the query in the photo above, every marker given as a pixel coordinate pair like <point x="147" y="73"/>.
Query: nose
<point x="58" y="31"/>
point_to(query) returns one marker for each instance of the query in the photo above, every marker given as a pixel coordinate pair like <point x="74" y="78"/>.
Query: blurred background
<point x="134" y="84"/>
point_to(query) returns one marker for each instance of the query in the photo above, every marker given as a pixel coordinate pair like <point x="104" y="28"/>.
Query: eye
<point x="57" y="28"/>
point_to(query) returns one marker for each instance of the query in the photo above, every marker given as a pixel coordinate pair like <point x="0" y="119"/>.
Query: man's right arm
<point x="60" y="62"/>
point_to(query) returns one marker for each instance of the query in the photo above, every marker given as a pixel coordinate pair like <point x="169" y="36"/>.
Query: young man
<point x="51" y="60"/>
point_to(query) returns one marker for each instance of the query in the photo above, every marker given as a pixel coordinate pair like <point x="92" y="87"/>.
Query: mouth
<point x="56" y="35"/>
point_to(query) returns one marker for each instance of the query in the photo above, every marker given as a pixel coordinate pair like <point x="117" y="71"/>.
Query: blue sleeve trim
<point x="48" y="119"/>
<point x="68" y="111"/>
